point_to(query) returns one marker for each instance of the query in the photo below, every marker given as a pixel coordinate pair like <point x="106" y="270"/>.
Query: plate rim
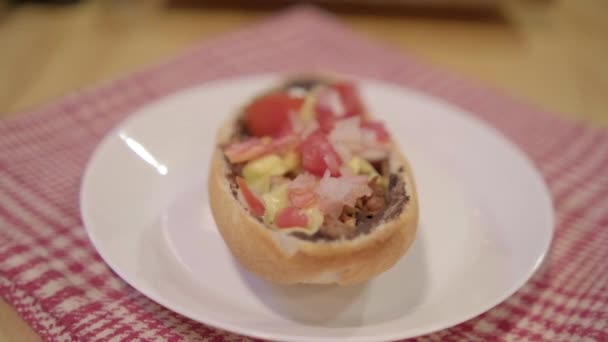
<point x="466" y="115"/>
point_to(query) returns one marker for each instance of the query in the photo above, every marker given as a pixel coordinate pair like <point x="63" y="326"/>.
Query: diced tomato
<point x="378" y="128"/>
<point x="269" y="115"/>
<point x="302" y="199"/>
<point x="255" y="205"/>
<point x="325" y="109"/>
<point x="285" y="131"/>
<point x="318" y="155"/>
<point x="351" y="101"/>
<point x="283" y="143"/>
<point x="246" y="150"/>
<point x="255" y="147"/>
<point x="290" y="217"/>
<point x="326" y="119"/>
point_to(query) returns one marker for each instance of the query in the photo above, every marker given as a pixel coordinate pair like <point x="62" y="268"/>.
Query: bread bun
<point x="280" y="257"/>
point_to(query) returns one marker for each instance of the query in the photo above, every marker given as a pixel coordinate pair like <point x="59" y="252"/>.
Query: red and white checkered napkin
<point x="51" y="274"/>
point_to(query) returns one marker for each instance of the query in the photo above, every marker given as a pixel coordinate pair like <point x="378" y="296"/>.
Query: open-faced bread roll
<point x="306" y="188"/>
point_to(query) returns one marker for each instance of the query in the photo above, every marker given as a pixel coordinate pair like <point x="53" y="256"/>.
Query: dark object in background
<point x="16" y="2"/>
<point x="469" y="9"/>
<point x="464" y="4"/>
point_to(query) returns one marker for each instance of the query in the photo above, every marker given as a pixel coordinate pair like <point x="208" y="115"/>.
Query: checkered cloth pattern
<point x="52" y="275"/>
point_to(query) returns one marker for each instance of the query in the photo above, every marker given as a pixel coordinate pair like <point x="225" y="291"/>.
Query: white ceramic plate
<point x="486" y="222"/>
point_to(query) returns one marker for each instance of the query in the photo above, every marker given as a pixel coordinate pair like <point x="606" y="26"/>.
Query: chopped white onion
<point x="336" y="192"/>
<point x="331" y="100"/>
<point x="348" y="139"/>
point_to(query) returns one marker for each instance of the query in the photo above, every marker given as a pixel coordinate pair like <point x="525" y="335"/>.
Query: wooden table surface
<point x="552" y="53"/>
